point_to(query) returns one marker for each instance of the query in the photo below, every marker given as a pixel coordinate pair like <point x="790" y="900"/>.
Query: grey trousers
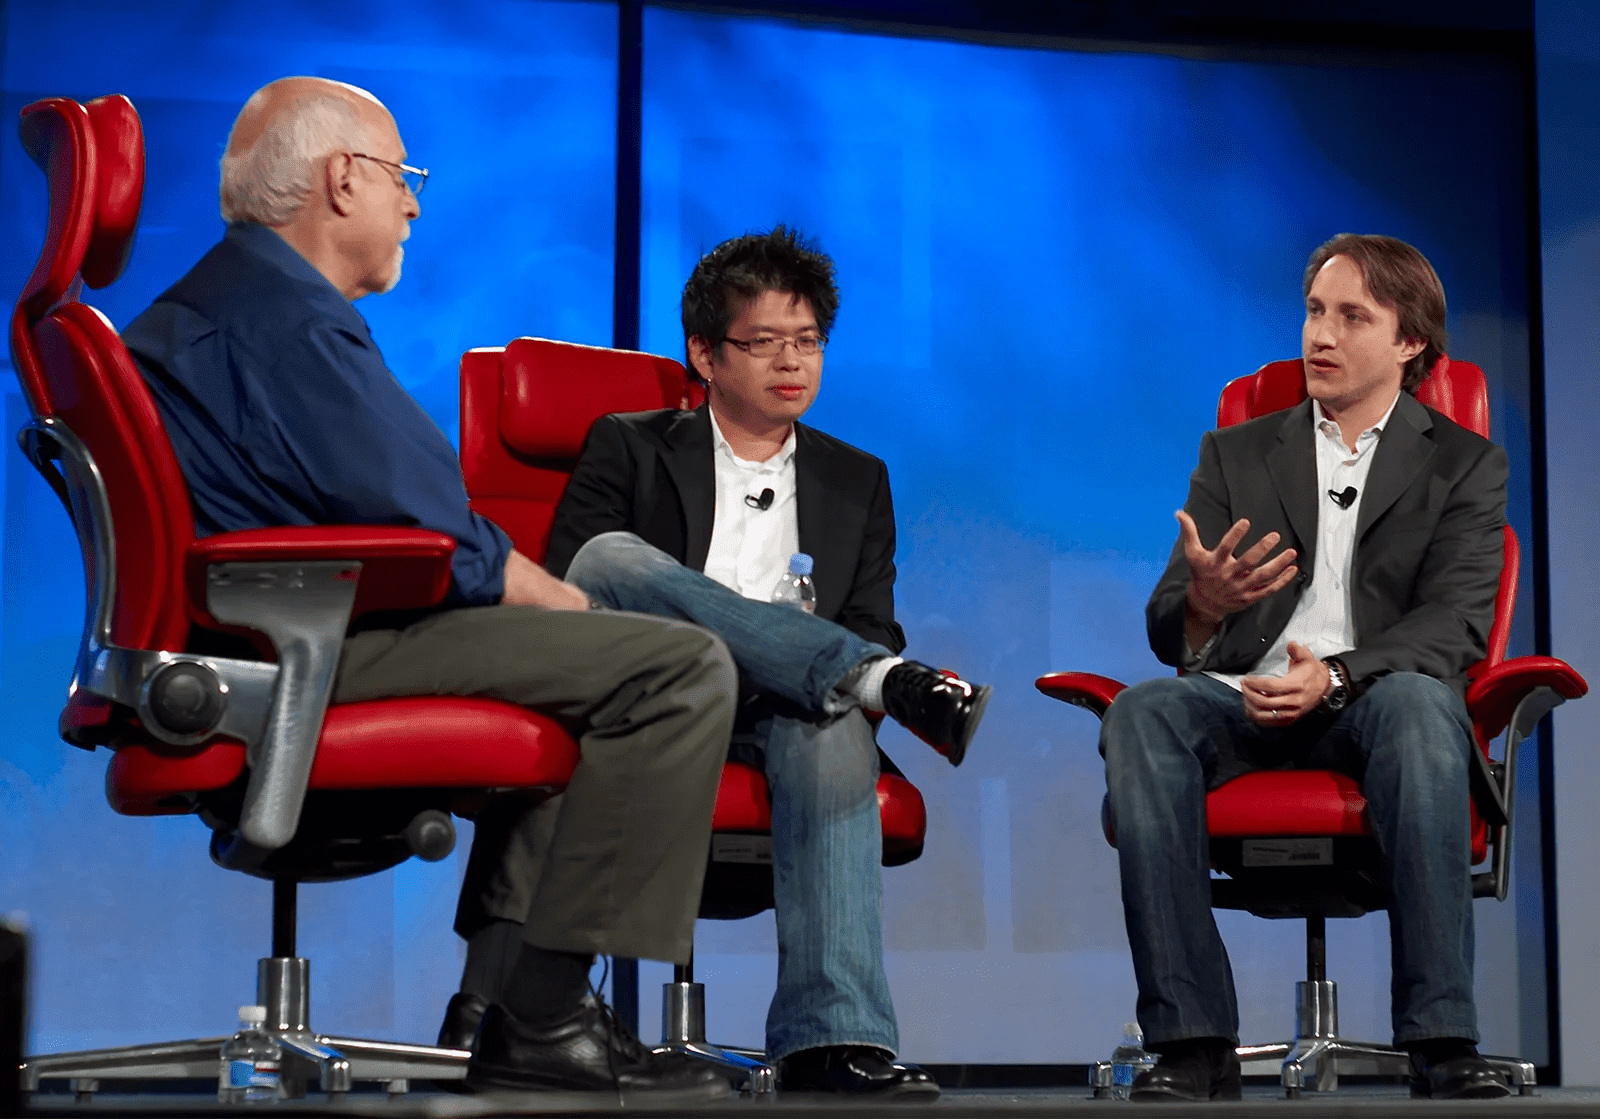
<point x="651" y="702"/>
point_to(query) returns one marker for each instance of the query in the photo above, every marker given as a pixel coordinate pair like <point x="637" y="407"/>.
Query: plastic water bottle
<point x="249" y="1061"/>
<point x="1128" y="1060"/>
<point x="795" y="588"/>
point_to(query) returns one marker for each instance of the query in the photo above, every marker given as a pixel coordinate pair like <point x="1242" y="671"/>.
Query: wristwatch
<point x="1339" y="685"/>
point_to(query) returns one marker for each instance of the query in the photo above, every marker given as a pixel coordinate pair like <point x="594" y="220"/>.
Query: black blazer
<point x="1428" y="547"/>
<point x="653" y="474"/>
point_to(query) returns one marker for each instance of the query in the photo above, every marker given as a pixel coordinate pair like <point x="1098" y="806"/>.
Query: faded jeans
<point x="822" y="766"/>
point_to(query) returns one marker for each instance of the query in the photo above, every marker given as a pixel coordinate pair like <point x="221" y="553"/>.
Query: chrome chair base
<point x="323" y="1061"/>
<point x="683" y="1030"/>
<point x="1317" y="1056"/>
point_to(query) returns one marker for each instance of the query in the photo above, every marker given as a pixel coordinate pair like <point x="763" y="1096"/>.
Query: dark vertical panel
<point x="630" y="70"/>
<point x="1539" y="549"/>
<point x="625" y="311"/>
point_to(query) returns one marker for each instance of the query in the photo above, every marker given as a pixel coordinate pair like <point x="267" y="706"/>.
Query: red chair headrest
<point x="552" y="392"/>
<point x="93" y="160"/>
<point x="119" y="188"/>
<point x="1455" y="388"/>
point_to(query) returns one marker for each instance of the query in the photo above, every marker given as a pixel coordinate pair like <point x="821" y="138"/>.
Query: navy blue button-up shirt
<point x="282" y="412"/>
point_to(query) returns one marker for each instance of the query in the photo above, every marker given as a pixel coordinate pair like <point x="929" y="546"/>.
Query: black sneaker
<point x="941" y="710"/>
<point x="589" y="1051"/>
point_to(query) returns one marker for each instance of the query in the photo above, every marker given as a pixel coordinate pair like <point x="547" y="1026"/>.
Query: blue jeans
<point x="1166" y="741"/>
<point x="821" y="763"/>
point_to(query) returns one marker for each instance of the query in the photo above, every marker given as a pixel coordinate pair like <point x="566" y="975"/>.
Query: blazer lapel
<point x="1398" y="458"/>
<point x="834" y="564"/>
<point x="688" y="459"/>
<point x="1292" y="466"/>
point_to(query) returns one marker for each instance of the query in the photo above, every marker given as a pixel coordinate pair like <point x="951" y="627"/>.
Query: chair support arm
<point x="304" y="608"/>
<point x="1531" y="707"/>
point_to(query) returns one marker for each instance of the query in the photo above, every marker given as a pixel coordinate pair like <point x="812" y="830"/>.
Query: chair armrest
<point x="1081" y="689"/>
<point x="1512" y="697"/>
<point x="1493" y="697"/>
<point x="300" y="587"/>
<point x="401" y="568"/>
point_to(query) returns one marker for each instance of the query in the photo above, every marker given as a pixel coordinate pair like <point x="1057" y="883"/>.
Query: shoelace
<point x="618" y="1036"/>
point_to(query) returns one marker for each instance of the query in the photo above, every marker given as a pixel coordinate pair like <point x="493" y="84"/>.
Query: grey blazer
<point x="1428" y="547"/>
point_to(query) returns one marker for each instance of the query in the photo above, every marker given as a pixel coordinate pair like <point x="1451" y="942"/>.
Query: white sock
<point x="866" y="682"/>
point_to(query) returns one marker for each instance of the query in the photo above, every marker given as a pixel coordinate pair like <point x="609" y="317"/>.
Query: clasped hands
<point x="1222" y="583"/>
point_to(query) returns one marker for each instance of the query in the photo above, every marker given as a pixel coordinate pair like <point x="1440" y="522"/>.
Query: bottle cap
<point x="801" y="564"/>
<point x="1131" y="1029"/>
<point x="253" y="1015"/>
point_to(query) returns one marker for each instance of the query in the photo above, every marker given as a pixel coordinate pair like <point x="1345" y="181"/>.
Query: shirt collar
<point x="266" y="243"/>
<point x="1320" y="421"/>
<point x="720" y="442"/>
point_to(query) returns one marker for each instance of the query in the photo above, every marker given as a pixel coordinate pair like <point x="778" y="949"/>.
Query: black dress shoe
<point x="941" y="710"/>
<point x="588" y="1051"/>
<point x="1464" y="1077"/>
<point x="461" y="1018"/>
<point x="1202" y="1072"/>
<point x="854" y="1070"/>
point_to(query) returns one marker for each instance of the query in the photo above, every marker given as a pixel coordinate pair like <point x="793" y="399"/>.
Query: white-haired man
<point x="281" y="412"/>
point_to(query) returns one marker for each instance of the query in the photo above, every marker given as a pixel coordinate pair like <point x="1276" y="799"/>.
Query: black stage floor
<point x="1358" y="1101"/>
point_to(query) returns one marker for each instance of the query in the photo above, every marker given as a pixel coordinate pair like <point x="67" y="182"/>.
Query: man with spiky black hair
<point x="733" y="489"/>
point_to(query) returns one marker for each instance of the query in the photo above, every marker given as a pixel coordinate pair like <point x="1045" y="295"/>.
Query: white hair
<point x="268" y="182"/>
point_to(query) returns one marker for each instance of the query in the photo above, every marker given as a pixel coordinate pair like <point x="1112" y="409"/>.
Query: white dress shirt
<point x="750" y="547"/>
<point x="1322" y="620"/>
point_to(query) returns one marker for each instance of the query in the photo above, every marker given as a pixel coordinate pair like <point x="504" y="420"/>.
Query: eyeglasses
<point x="415" y="178"/>
<point x="807" y="345"/>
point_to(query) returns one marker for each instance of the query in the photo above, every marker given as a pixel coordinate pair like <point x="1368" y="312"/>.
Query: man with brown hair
<point x="1346" y="648"/>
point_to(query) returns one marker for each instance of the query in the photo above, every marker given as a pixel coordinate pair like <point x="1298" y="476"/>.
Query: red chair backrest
<point x="74" y="367"/>
<point x="1456" y="389"/>
<point x="526" y="409"/>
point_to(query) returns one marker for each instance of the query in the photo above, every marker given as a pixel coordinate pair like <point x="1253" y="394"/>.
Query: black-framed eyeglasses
<point x="807" y="345"/>
<point x="414" y="178"/>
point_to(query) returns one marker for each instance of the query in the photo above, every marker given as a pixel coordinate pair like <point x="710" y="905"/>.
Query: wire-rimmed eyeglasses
<point x="414" y="178"/>
<point x="807" y="345"/>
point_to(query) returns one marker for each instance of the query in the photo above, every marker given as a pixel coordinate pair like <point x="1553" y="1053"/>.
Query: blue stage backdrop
<point x="513" y="108"/>
<point x="1050" y="263"/>
<point x="1051" y="260"/>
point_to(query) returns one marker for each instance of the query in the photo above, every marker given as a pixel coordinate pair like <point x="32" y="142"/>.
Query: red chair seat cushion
<point x="1287" y="802"/>
<point x="744" y="804"/>
<point x="415" y="742"/>
<point x="1278" y="802"/>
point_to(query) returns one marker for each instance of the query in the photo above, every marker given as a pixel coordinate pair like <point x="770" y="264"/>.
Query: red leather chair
<point x="1295" y="843"/>
<point x="526" y="409"/>
<point x="292" y="788"/>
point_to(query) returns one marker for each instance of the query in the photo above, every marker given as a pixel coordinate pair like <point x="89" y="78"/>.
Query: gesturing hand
<point x="1221" y="583"/>
<point x="1277" y="701"/>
